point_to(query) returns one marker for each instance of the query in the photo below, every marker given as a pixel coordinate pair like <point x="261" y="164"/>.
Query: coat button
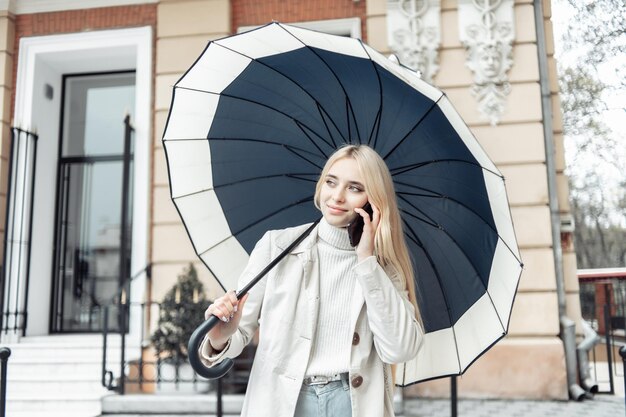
<point x="357" y="381"/>
<point x="355" y="339"/>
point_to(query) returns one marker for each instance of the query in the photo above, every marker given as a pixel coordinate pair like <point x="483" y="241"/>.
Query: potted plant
<point x="180" y="312"/>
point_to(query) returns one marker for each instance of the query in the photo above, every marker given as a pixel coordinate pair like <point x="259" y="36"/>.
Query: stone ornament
<point x="486" y="29"/>
<point x="414" y="34"/>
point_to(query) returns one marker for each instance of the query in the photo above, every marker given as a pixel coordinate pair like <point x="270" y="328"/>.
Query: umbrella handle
<point x="193" y="348"/>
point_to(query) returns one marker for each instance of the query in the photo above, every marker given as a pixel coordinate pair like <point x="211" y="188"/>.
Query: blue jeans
<point x="329" y="400"/>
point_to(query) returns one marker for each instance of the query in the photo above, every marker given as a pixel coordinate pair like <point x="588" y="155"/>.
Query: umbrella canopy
<point x="251" y="125"/>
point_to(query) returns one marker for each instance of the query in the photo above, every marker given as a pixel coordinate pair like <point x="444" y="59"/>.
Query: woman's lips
<point x="336" y="210"/>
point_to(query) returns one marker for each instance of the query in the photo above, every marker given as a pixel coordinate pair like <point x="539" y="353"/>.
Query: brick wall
<point x="254" y="12"/>
<point x="83" y="20"/>
<point x="70" y="21"/>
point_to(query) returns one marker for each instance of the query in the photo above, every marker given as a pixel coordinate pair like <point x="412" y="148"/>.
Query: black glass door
<point x="92" y="235"/>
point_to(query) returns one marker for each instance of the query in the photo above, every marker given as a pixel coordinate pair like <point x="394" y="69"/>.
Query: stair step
<point x="74" y="368"/>
<point x="86" y="413"/>
<point x="67" y="340"/>
<point x="58" y="388"/>
<point x="86" y="407"/>
<point x="59" y="375"/>
<point x="173" y="404"/>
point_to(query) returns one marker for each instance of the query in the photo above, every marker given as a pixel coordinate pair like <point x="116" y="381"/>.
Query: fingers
<point x="375" y="214"/>
<point x="224" y="307"/>
<point x="374" y="220"/>
<point x="365" y="248"/>
<point x="242" y="302"/>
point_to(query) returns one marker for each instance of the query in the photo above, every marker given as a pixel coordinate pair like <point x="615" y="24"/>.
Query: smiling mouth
<point x="336" y="208"/>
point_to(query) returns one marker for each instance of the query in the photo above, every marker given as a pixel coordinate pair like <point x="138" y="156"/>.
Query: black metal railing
<point x="603" y="306"/>
<point x="148" y="370"/>
<point x="4" y="361"/>
<point x="604" y="361"/>
<point x="622" y="353"/>
<point x="18" y="231"/>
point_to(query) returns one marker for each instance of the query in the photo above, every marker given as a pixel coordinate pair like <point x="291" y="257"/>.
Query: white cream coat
<point x="285" y="305"/>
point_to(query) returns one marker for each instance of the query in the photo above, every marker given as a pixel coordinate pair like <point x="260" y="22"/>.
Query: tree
<point x="599" y="234"/>
<point x="593" y="37"/>
<point x="597" y="28"/>
<point x="182" y="310"/>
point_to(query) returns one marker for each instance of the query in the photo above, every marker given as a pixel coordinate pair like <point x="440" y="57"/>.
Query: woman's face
<point x="343" y="190"/>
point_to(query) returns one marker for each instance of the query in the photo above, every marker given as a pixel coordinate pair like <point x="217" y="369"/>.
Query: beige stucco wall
<point x="529" y="362"/>
<point x="183" y="29"/>
<point x="7" y="37"/>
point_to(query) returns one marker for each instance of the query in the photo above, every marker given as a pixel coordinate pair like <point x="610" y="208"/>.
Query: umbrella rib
<point x="376" y="126"/>
<point x="413" y="236"/>
<point x="348" y="119"/>
<point x="222" y="94"/>
<point x="449" y="236"/>
<point x="193" y="244"/>
<point x="287" y="77"/>
<point x="225" y="139"/>
<point x="439" y="195"/>
<point x="425" y="221"/>
<point x="204" y="190"/>
<point x="496" y="311"/>
<point x="330" y="69"/>
<point x="294" y="176"/>
<point x="412" y="129"/>
<point x="350" y="112"/>
<point x="290" y="148"/>
<point x="463" y="252"/>
<point x="418" y="242"/>
<point x="330" y="135"/>
<point x="407" y="168"/>
<point x="301" y="127"/>
<point x="305" y="200"/>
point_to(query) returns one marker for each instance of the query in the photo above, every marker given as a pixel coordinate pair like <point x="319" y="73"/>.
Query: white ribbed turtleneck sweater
<point x="330" y="353"/>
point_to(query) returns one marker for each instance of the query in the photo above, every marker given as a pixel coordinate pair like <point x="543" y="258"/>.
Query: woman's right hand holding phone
<point x="365" y="248"/>
<point x="228" y="309"/>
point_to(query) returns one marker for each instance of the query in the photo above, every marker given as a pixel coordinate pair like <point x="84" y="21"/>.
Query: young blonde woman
<point x="332" y="317"/>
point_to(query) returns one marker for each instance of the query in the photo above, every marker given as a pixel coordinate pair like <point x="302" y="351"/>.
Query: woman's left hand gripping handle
<point x="219" y="324"/>
<point x="229" y="310"/>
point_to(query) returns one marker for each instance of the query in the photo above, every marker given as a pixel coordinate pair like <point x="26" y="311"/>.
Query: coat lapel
<point x="312" y="288"/>
<point x="356" y="304"/>
<point x="306" y="252"/>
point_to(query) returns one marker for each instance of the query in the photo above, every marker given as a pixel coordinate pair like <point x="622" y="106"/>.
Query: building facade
<point x="92" y="204"/>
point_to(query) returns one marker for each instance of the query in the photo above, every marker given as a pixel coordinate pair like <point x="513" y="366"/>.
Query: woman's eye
<point x="330" y="182"/>
<point x="355" y="189"/>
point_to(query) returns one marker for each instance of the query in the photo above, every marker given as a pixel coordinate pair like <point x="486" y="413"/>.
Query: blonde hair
<point x="389" y="244"/>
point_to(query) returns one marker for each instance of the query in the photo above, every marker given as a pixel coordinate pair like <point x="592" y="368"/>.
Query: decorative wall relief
<point x="486" y="29"/>
<point x="414" y="34"/>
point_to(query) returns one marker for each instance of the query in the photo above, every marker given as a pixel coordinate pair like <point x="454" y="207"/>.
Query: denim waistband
<point x="324" y="379"/>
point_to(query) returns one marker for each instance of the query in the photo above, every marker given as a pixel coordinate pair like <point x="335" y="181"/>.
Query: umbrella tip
<point x="394" y="58"/>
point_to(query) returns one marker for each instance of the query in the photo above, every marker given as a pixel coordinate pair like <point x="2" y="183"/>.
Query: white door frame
<point x="42" y="61"/>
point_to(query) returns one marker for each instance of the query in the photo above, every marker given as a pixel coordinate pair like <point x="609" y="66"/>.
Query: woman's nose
<point x="338" y="195"/>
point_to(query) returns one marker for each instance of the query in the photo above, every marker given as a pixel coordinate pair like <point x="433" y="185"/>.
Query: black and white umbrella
<point x="251" y="125"/>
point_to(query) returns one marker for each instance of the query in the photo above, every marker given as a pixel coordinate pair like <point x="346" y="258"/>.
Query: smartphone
<point x="355" y="229"/>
